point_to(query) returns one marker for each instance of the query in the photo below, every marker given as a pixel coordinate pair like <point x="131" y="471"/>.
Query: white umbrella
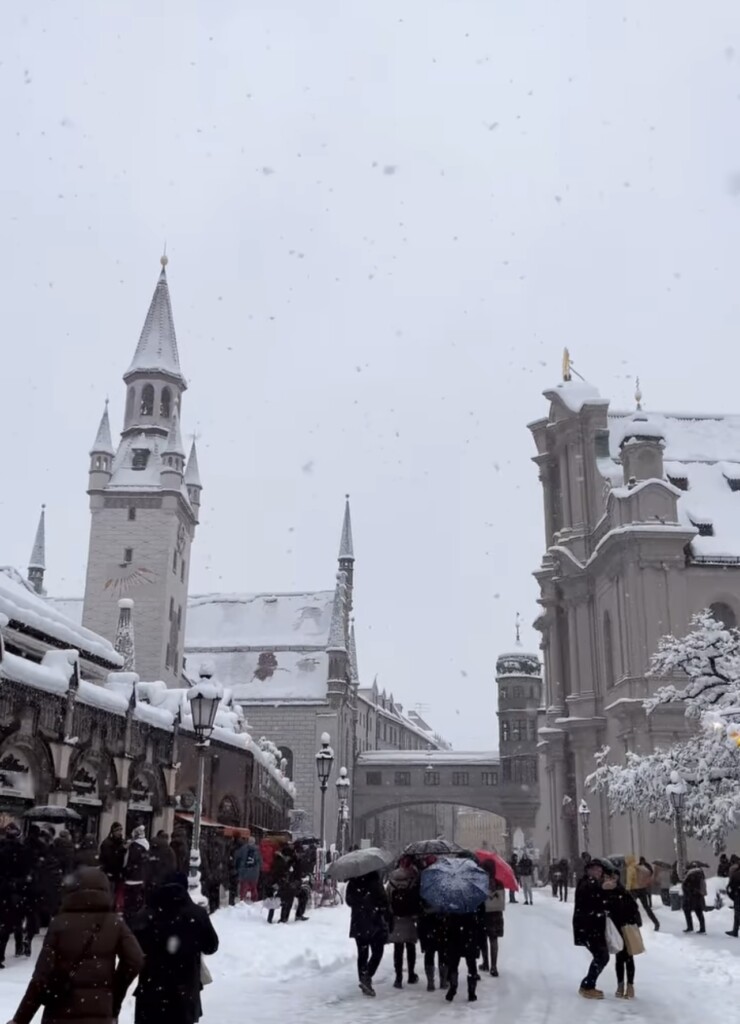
<point x="360" y="862"/>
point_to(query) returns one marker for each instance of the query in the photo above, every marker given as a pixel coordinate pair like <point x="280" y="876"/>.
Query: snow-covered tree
<point x="707" y="663"/>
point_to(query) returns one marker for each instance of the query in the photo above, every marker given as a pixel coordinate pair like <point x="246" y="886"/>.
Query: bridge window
<point x="402" y="779"/>
<point x="460" y="778"/>
<point x="374" y="778"/>
<point x="489" y="778"/>
<point x="431" y="778"/>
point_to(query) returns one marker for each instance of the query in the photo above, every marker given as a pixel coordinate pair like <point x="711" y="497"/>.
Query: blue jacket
<point x="248" y="863"/>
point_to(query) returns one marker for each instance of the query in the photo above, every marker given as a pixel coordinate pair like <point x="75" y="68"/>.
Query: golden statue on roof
<point x="567" y="365"/>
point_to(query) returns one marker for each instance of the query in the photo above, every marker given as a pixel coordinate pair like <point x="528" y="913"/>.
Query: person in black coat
<point x="622" y="908"/>
<point x="112" y="860"/>
<point x="723" y="868"/>
<point x="16" y="871"/>
<point x="174" y="934"/>
<point x="462" y="936"/>
<point x="694" y="888"/>
<point x="589" y="925"/>
<point x="369" y="926"/>
<point x="733" y="891"/>
<point x="563" y="877"/>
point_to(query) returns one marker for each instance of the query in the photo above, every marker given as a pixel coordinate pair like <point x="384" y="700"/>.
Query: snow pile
<point x="52" y="675"/>
<point x="23" y="605"/>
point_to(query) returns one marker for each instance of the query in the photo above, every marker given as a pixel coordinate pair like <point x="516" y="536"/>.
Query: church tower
<point x="144" y="501"/>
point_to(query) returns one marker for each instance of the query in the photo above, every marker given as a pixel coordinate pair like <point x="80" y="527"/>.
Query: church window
<point x="130" y="404"/>
<point x="505" y="732"/>
<point x="172" y="608"/>
<point x="179" y="617"/>
<point x="147" y="400"/>
<point x="165" y="403"/>
<point x="128" y="556"/>
<point x="533" y="729"/>
<point x="132" y="512"/>
<point x="723" y="614"/>
<point x="182" y="571"/>
<point x="140" y="458"/>
<point x="608" y="650"/>
<point x="168" y="657"/>
<point x="174" y="561"/>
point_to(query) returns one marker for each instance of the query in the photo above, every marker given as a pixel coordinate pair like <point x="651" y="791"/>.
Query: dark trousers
<point x="563" y="891"/>
<point x="622" y="960"/>
<point x="599" y="960"/>
<point x="492" y="960"/>
<point x="699" y="917"/>
<point x="398" y="948"/>
<point x="644" y="898"/>
<point x="453" y="967"/>
<point x="736" y="918"/>
<point x="369" y="955"/>
<point x="554" y="885"/>
<point x="430" y="959"/>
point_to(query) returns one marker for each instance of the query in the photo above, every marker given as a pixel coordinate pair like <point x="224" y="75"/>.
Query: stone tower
<point x="144" y="503"/>
<point x="519" y="681"/>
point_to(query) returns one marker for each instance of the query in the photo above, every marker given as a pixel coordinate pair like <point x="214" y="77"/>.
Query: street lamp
<point x="584" y="813"/>
<point x="204" y="700"/>
<point x="343" y="785"/>
<point x="324" y="761"/>
<point x="676" y="793"/>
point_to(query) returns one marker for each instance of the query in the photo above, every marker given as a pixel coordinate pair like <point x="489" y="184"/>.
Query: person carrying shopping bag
<point x="624" y="913"/>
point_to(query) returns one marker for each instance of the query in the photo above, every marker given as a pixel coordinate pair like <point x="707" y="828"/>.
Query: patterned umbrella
<point x="454" y="885"/>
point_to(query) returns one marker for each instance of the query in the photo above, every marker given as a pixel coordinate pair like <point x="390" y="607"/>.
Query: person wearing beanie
<point x="135" y="873"/>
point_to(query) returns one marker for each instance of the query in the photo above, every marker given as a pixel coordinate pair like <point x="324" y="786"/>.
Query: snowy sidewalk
<point x="307" y="972"/>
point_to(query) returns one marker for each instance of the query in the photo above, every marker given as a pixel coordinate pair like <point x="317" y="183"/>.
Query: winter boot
<point x="430" y="979"/>
<point x="398" y="983"/>
<point x="366" y="985"/>
<point x="590" y="993"/>
<point x="494" y="971"/>
<point x="413" y="978"/>
<point x="630" y="994"/>
<point x="620" y="991"/>
<point x="451" y="990"/>
<point x="444" y="978"/>
<point x="472" y="997"/>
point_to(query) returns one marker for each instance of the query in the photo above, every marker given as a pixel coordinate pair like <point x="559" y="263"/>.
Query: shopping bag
<point x="633" y="944"/>
<point x="205" y="975"/>
<point x="614" y="941"/>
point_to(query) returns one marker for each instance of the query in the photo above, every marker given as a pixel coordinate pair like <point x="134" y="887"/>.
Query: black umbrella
<point x="432" y="848"/>
<point x="50" y="812"/>
<point x="359" y="863"/>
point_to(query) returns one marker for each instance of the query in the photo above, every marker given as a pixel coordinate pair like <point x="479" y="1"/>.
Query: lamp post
<point x="343" y="785"/>
<point x="324" y="761"/>
<point x="676" y="792"/>
<point x="204" y="699"/>
<point x="584" y="813"/>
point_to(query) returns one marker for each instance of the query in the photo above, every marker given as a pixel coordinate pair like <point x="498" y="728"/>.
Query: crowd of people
<point x="112" y="914"/>
<point x="395" y="913"/>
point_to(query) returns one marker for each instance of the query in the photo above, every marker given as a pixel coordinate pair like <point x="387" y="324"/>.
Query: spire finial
<point x="163" y="258"/>
<point x="346" y="547"/>
<point x="518" y="628"/>
<point x="638" y="394"/>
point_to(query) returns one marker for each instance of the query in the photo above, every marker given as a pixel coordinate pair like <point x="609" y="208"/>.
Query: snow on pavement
<point x="277" y="973"/>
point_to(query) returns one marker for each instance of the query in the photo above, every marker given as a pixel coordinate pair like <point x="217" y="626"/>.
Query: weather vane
<point x="638" y="394"/>
<point x="568" y="367"/>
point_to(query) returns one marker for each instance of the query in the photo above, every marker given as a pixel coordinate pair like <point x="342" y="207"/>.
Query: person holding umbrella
<point x="367" y="899"/>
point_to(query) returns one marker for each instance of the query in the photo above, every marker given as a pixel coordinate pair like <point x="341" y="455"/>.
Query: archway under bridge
<point x="385" y="780"/>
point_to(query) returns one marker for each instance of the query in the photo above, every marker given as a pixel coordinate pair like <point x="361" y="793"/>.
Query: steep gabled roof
<point x="157" y="348"/>
<point x="103" y="441"/>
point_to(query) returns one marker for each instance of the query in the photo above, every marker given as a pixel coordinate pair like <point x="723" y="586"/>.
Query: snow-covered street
<point x="307" y="970"/>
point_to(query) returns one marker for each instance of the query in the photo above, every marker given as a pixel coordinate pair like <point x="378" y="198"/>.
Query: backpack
<point x="404" y="900"/>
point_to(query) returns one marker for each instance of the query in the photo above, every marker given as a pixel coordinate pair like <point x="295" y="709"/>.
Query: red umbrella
<point x="503" y="872"/>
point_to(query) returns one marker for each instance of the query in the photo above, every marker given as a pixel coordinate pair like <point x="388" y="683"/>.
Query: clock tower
<point x="144" y="504"/>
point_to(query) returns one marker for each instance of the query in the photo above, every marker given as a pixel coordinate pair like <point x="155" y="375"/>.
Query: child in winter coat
<point x="622" y="908"/>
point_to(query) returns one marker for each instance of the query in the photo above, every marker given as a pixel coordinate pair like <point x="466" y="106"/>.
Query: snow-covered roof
<point x="575" y="394"/>
<point x="282" y="675"/>
<point x="21" y="604"/>
<point x="124" y="477"/>
<point x="103" y="443"/>
<point x="703" y="450"/>
<point x="157" y="348"/>
<point x="259" y="621"/>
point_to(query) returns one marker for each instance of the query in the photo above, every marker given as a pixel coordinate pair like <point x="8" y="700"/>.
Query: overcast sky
<point x="384" y="221"/>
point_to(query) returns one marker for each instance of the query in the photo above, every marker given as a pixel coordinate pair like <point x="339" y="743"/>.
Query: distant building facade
<point x="641" y="514"/>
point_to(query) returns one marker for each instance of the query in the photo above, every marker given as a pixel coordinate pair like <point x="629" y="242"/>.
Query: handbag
<point x="614" y="941"/>
<point x="59" y="988"/>
<point x="633" y="943"/>
<point x="205" y="975"/>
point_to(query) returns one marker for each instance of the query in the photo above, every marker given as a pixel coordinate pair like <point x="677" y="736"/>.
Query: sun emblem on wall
<point x="126" y="577"/>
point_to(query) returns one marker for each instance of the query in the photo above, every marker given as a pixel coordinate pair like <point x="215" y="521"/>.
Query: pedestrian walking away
<point x="638" y="882"/>
<point x="405" y="904"/>
<point x="134" y="873"/>
<point x="589" y="924"/>
<point x="462" y="942"/>
<point x="161" y="863"/>
<point x="493" y="925"/>
<point x="248" y="864"/>
<point x="623" y="910"/>
<point x="694" y="887"/>
<point x="733" y="891"/>
<point x="526" y="878"/>
<point x="563" y="876"/>
<point x="112" y="860"/>
<point x="174" y="934"/>
<point x="369" y="925"/>
<point x="514" y="865"/>
<point x="88" y="960"/>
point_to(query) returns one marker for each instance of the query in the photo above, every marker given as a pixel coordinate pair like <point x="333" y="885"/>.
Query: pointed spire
<point x="337" y="634"/>
<point x="192" y="472"/>
<point x="346" y="548"/>
<point x="354" y="671"/>
<point x="124" y="642"/>
<point x="103" y="443"/>
<point x="157" y="348"/>
<point x="174" y="444"/>
<point x="38" y="554"/>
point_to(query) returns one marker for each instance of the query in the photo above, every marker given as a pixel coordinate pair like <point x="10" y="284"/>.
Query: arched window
<point x="147" y="400"/>
<point x="130" y="404"/>
<point x="608" y="651"/>
<point x="165" y="404"/>
<point x="287" y="753"/>
<point x="723" y="614"/>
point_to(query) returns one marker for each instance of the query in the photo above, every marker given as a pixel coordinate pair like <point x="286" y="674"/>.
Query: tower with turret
<point x="144" y="504"/>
